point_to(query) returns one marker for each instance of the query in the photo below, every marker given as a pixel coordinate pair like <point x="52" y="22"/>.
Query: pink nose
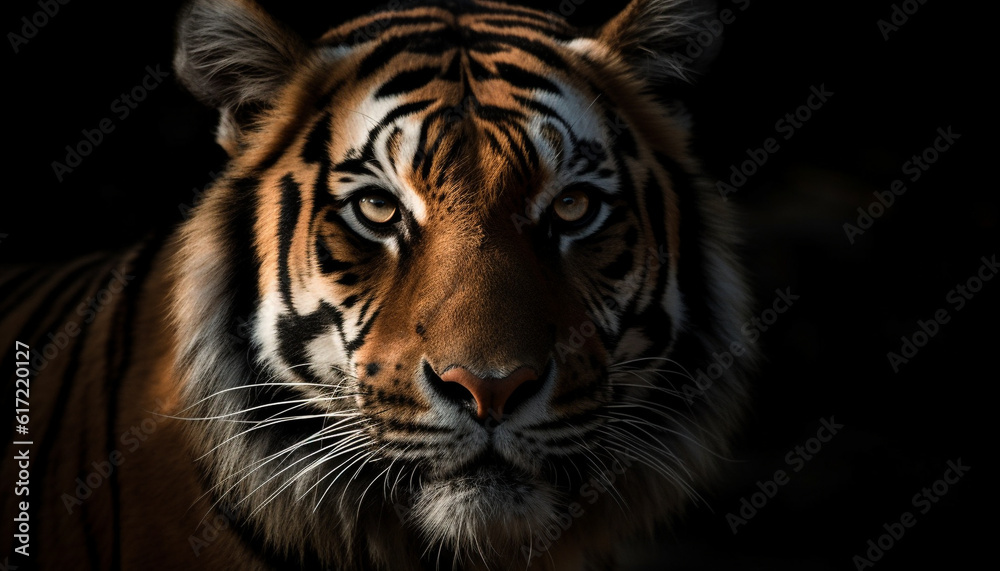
<point x="490" y="394"/>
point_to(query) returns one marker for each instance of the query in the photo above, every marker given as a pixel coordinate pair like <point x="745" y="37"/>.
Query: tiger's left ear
<point x="659" y="38"/>
<point x="233" y="56"/>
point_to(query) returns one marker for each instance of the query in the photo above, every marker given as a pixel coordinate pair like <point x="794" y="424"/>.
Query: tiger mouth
<point x="490" y="471"/>
<point x="489" y="466"/>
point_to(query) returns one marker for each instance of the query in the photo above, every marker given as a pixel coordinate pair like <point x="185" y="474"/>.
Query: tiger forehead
<point x="466" y="105"/>
<point x="461" y="121"/>
<point x="461" y="17"/>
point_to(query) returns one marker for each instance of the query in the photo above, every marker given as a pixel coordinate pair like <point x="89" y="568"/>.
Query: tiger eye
<point x="377" y="208"/>
<point x="571" y="206"/>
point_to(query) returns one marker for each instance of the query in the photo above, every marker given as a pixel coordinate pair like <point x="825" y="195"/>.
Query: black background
<point x="826" y="355"/>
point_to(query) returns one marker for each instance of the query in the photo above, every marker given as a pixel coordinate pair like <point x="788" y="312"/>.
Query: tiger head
<point x="452" y="290"/>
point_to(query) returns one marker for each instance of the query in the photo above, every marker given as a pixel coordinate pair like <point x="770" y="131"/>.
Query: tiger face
<point x="478" y="269"/>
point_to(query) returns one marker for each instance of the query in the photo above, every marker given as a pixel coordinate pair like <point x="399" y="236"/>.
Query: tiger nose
<point x="492" y="394"/>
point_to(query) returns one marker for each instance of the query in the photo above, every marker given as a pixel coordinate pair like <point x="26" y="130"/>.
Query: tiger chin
<point x="445" y="308"/>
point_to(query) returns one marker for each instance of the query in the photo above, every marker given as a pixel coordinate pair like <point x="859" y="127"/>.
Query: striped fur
<point x="290" y="352"/>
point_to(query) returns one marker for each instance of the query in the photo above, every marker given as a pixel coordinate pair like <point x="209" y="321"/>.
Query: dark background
<point x="826" y="355"/>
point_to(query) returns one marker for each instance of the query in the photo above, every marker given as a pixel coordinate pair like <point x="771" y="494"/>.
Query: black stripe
<point x="509" y="10"/>
<point x="116" y="355"/>
<point x="244" y="264"/>
<point x="291" y="206"/>
<point x="359" y="341"/>
<point x="354" y="165"/>
<point x="453" y="73"/>
<point x="52" y="432"/>
<point x="425" y="41"/>
<point x="656" y="209"/>
<point x="348" y="279"/>
<point x="539" y="26"/>
<point x="363" y="33"/>
<point x="452" y="156"/>
<point x="541" y="51"/>
<point x="407" y="81"/>
<point x="90" y="539"/>
<point x="323" y="200"/>
<point x="19" y="290"/>
<point x="617" y="269"/>
<point x="399" y="112"/>
<point x="424" y="157"/>
<point x="43" y="308"/>
<point x="316" y="148"/>
<point x="520" y="77"/>
<point x="498" y="114"/>
<point x="33" y="337"/>
<point x="655" y="322"/>
<point x="295" y="332"/>
<point x="12" y="279"/>
<point x="364" y="309"/>
<point x="494" y="143"/>
<point x="692" y="273"/>
<point x="526" y="147"/>
<point x="544" y="109"/>
<point x="327" y="263"/>
<point x="624" y="140"/>
<point x="141" y="265"/>
<point x="477" y="70"/>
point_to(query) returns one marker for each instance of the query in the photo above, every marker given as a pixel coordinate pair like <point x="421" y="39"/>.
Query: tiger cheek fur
<point x="478" y="264"/>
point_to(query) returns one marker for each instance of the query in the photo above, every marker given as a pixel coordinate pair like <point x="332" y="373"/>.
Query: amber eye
<point x="571" y="206"/>
<point x="377" y="207"/>
<point x="574" y="207"/>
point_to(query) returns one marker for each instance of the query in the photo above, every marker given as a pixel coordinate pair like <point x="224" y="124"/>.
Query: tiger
<point x="446" y="307"/>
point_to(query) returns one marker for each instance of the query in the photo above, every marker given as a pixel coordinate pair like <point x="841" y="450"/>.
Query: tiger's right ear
<point x="652" y="36"/>
<point x="233" y="56"/>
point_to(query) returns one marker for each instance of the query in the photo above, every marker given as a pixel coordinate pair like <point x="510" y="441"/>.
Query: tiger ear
<point x="665" y="40"/>
<point x="233" y="56"/>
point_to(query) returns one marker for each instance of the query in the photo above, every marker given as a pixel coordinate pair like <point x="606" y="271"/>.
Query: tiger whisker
<point x="292" y="480"/>
<point x="229" y="490"/>
<point x="254" y="385"/>
<point x="659" y="410"/>
<point x="260" y="463"/>
<point x="635" y="450"/>
<point x="616" y="495"/>
<point x="278" y="421"/>
<point x="358" y="471"/>
<point x="361" y="456"/>
<point x="639" y="422"/>
<point x="344" y="446"/>
<point x="259" y="407"/>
